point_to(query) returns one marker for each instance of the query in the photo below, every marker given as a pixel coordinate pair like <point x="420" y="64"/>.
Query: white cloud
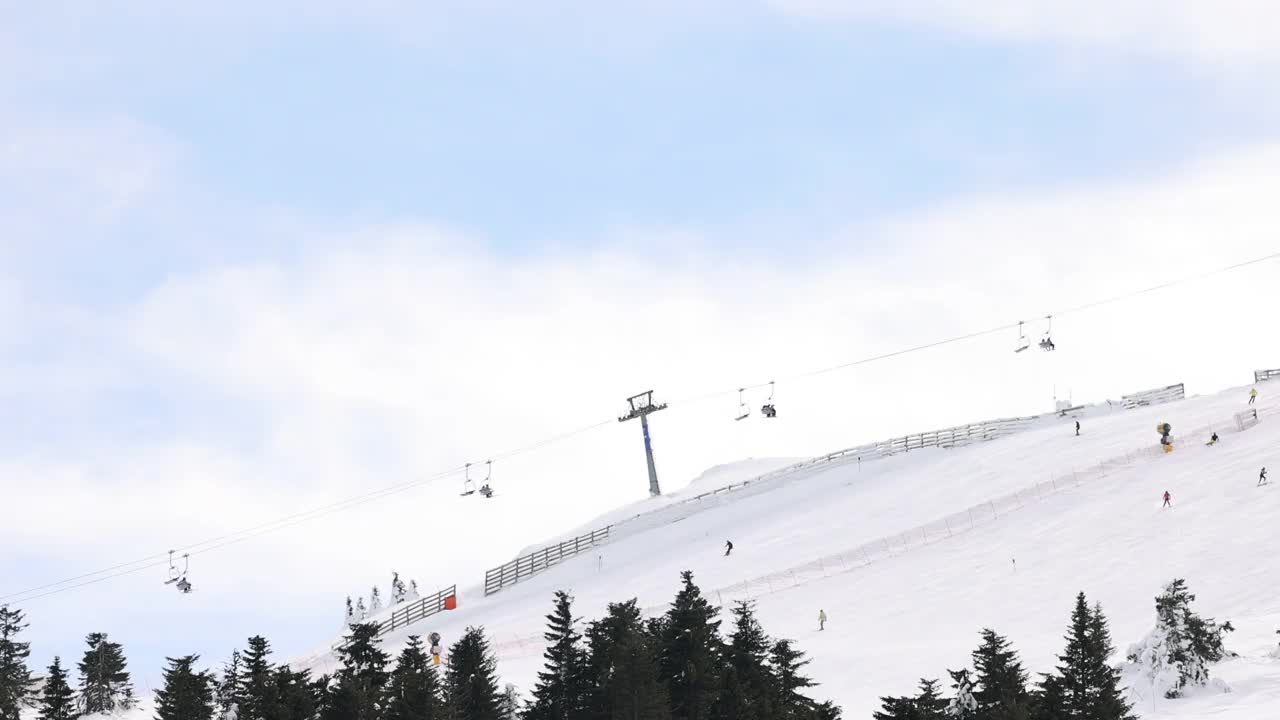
<point x="389" y="352"/>
<point x="1232" y="32"/>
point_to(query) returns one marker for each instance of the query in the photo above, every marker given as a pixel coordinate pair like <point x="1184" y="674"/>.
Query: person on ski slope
<point x="728" y="547"/>
<point x="1262" y="476"/>
<point x="1166" y="499"/>
<point x="1213" y="440"/>
<point x="1077" y="428"/>
<point x="1253" y="395"/>
<point x="822" y="620"/>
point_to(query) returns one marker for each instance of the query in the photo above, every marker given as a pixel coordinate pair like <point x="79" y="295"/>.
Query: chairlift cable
<point x="152" y="561"/>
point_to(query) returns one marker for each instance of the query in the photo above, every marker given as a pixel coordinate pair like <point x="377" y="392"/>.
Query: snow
<point x="912" y="555"/>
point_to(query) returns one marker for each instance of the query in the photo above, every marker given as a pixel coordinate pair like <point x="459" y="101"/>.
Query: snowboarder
<point x="1077" y="428"/>
<point x="1262" y="476"/>
<point x="1253" y="395"/>
<point x="1213" y="440"/>
<point x="728" y="547"/>
<point x="1166" y="499"/>
<point x="822" y="620"/>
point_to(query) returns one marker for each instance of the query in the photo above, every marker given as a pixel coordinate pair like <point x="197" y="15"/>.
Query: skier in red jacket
<point x="1166" y="499"/>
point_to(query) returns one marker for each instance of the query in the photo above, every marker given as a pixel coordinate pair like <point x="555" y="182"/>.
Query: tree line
<point x="622" y="666"/>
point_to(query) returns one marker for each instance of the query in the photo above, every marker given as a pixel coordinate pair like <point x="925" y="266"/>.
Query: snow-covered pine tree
<point x="509" y="703"/>
<point x="187" y="694"/>
<point x="351" y="613"/>
<point x="413" y="590"/>
<point x="58" y="700"/>
<point x="414" y="692"/>
<point x="375" y="601"/>
<point x="104" y="677"/>
<point x="563" y="690"/>
<point x="15" y="676"/>
<point x="1178" y="652"/>
<point x="471" y="683"/>
<point x="964" y="706"/>
<point x="361" y="612"/>
<point x="1001" y="682"/>
<point x="689" y="656"/>
<point x="398" y="590"/>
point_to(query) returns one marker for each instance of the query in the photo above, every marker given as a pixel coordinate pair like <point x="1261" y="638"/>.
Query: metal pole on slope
<point x="641" y="407"/>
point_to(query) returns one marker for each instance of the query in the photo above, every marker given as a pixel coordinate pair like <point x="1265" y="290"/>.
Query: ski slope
<point x="911" y="555"/>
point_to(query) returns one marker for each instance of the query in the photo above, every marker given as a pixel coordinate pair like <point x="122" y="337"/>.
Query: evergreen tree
<point x="375" y="601"/>
<point x="255" y="689"/>
<point x="1109" y="701"/>
<point x="562" y="692"/>
<point x="930" y="704"/>
<point x="1178" y="652"/>
<point x="749" y="689"/>
<point x="361" y="612"/>
<point x="827" y="711"/>
<point x="471" y="683"/>
<point x="226" y="696"/>
<point x="57" y="701"/>
<point x="623" y="669"/>
<point x="689" y="656"/>
<point x="187" y="694"/>
<point x="964" y="706"/>
<point x="104" y="678"/>
<point x="362" y="681"/>
<point x="294" y="694"/>
<point x="1089" y="687"/>
<point x="413" y="590"/>
<point x="1049" y="701"/>
<point x="414" y="691"/>
<point x="15" y="677"/>
<point x="1001" y="681"/>
<point x="787" y="664"/>
<point x="509" y="703"/>
<point x="351" y="613"/>
<point x="398" y="590"/>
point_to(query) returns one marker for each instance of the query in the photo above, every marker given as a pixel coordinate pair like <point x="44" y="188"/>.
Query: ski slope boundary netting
<point x="512" y="645"/>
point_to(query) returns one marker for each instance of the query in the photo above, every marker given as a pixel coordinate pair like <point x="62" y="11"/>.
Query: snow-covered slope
<point x="1076" y="513"/>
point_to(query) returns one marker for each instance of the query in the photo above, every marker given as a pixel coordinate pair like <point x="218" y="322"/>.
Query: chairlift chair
<point x="743" y="411"/>
<point x="1046" y="342"/>
<point x="179" y="577"/>
<point x="468" y="485"/>
<point x="1023" y="342"/>
<point x="767" y="409"/>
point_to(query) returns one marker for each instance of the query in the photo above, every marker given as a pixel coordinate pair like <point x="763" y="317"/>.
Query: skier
<point x="1262" y="477"/>
<point x="1213" y="440"/>
<point x="728" y="547"/>
<point x="1253" y="395"/>
<point x="1077" y="428"/>
<point x="1166" y="499"/>
<point x="822" y="620"/>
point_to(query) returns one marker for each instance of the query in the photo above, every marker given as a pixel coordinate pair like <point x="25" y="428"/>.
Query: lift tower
<point x="641" y="407"/>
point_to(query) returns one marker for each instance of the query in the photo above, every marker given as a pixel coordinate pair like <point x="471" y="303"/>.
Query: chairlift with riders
<point x="469" y="485"/>
<point x="767" y="409"/>
<point x="1046" y="342"/>
<point x="178" y="578"/>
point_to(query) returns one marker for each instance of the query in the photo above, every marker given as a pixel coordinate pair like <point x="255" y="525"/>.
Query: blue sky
<point x="258" y="258"/>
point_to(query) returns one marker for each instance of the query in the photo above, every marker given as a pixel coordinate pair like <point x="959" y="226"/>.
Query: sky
<point x="256" y="259"/>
